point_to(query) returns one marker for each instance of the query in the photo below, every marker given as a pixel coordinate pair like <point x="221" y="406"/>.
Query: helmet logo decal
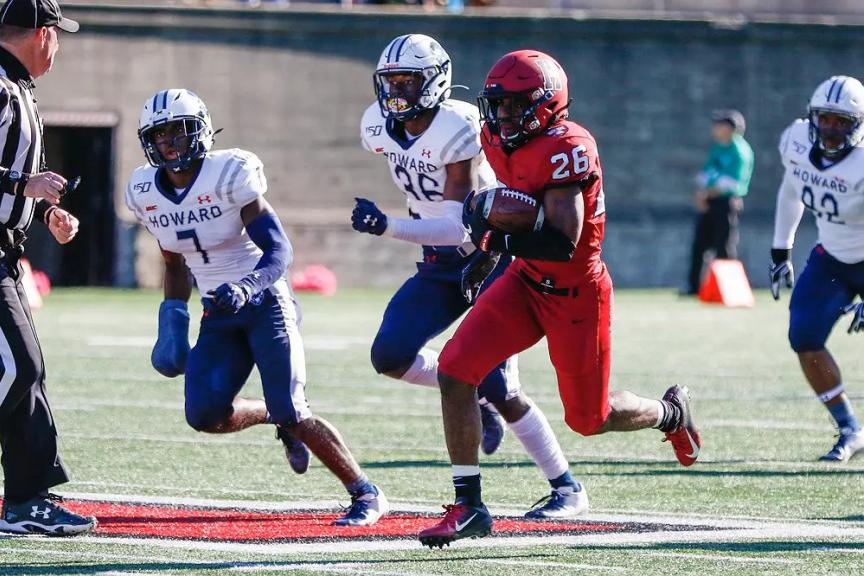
<point x="551" y="78"/>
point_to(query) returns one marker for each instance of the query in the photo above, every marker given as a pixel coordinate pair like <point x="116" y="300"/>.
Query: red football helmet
<point x="525" y="93"/>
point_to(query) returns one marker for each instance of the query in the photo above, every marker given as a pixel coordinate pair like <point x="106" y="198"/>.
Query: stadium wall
<point x="291" y="86"/>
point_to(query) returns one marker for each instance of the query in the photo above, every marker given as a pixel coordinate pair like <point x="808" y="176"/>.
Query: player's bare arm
<point x="461" y="180"/>
<point x="177" y="285"/>
<point x="554" y="240"/>
<point x="255" y="209"/>
<point x="565" y="210"/>
<point x="171" y="350"/>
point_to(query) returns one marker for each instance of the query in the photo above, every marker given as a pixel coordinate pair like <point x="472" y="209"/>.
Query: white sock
<point x="661" y="412"/>
<point x="460" y="470"/>
<point x="536" y="435"/>
<point x="424" y="370"/>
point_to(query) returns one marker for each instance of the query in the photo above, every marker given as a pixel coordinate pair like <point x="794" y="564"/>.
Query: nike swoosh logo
<point x="693" y="447"/>
<point x="461" y="525"/>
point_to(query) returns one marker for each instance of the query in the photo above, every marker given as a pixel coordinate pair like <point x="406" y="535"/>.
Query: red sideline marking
<point x="233" y="525"/>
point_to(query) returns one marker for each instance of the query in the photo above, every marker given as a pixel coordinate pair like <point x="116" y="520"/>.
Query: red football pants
<point x="512" y="316"/>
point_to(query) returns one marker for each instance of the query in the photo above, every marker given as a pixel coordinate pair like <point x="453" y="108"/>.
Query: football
<point x="509" y="210"/>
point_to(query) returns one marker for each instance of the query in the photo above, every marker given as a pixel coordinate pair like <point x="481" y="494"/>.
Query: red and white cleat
<point x="459" y="522"/>
<point x="685" y="439"/>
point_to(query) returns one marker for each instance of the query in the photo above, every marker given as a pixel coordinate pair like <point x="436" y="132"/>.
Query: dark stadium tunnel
<point x="88" y="260"/>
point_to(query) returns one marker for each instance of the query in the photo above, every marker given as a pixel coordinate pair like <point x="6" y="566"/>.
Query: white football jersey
<point x="418" y="166"/>
<point x="203" y="223"/>
<point x="834" y="195"/>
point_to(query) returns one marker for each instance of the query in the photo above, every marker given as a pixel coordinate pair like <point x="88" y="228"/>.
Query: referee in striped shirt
<point x="31" y="463"/>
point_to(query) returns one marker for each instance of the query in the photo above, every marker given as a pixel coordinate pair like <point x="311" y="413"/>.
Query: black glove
<point x="367" y="217"/>
<point x="780" y="271"/>
<point x="473" y="220"/>
<point x="231" y="296"/>
<point x="476" y="271"/>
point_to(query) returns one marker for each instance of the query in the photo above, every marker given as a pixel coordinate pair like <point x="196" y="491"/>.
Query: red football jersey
<point x="565" y="154"/>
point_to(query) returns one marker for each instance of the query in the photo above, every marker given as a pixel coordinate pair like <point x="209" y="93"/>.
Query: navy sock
<point x="563" y="480"/>
<point x="361" y="486"/>
<point x="843" y="415"/>
<point x="468" y="490"/>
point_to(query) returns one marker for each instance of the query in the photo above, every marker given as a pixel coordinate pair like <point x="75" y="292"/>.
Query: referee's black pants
<point x="28" y="437"/>
<point x="716" y="230"/>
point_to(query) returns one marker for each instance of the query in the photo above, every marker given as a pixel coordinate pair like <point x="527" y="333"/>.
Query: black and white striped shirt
<point x="22" y="140"/>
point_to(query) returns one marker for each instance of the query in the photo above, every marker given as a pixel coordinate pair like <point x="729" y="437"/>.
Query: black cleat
<point x="42" y="515"/>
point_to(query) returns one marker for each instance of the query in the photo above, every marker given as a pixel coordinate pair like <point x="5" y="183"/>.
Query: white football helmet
<point x="176" y="105"/>
<point x="844" y="96"/>
<point x="413" y="54"/>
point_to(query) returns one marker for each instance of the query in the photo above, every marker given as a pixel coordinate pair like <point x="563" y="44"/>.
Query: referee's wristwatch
<point x="19" y="181"/>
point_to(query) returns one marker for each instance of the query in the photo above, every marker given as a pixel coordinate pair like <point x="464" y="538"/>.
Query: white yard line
<point x="561" y="565"/>
<point x="334" y="567"/>
<point x="833" y="550"/>
<point x="607" y="540"/>
<point x="744" y="559"/>
<point x="93" y="555"/>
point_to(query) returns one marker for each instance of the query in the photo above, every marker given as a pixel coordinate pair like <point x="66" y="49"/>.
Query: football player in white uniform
<point x="432" y="146"/>
<point x="824" y="160"/>
<point x="206" y="208"/>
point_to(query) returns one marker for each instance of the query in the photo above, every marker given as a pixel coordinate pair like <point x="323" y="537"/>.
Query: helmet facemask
<point x="187" y="142"/>
<point x="402" y="102"/>
<point x="836" y="136"/>
<point x="521" y="121"/>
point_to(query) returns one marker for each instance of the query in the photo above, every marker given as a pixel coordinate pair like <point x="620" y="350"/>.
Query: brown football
<point x="510" y="210"/>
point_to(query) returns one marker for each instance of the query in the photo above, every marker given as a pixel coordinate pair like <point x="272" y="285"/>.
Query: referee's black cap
<point x="35" y="14"/>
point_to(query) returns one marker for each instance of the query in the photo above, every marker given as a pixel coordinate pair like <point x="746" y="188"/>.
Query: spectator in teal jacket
<point x="723" y="184"/>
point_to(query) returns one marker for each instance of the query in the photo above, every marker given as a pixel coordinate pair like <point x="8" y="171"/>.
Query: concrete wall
<point x="291" y="86"/>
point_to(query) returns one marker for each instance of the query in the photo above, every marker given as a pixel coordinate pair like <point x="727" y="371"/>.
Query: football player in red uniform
<point x="558" y="286"/>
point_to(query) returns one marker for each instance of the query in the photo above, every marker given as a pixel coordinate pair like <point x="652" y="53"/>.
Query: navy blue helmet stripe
<point x="401" y="40"/>
<point x="830" y="90"/>
<point x="839" y="91"/>
<point x="153" y="105"/>
<point x="390" y="50"/>
<point x="401" y="45"/>
<point x="164" y="99"/>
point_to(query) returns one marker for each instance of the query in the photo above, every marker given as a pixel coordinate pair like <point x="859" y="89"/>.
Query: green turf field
<point x="123" y="435"/>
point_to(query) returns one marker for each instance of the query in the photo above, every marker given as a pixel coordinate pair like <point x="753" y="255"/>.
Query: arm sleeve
<point x="267" y="233"/>
<point x="41" y="210"/>
<point x="444" y="231"/>
<point x="788" y="215"/>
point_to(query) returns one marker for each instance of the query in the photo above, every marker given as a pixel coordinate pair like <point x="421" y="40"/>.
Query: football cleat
<point x="41" y="515"/>
<point x="365" y="510"/>
<point x="558" y="505"/>
<point x="493" y="429"/>
<point x="846" y="447"/>
<point x="295" y="451"/>
<point x="685" y="438"/>
<point x="460" y="521"/>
